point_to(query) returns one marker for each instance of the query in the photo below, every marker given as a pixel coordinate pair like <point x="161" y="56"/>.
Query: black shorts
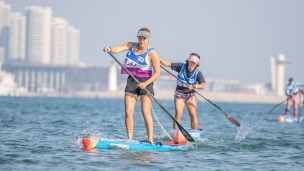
<point x="132" y="87"/>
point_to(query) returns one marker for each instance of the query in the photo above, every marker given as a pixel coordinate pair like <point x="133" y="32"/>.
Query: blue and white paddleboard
<point x="288" y="118"/>
<point x="135" y="145"/>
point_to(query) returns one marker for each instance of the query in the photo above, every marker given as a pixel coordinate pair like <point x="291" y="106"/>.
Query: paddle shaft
<point x="277" y="105"/>
<point x="183" y="130"/>
<point x="235" y="122"/>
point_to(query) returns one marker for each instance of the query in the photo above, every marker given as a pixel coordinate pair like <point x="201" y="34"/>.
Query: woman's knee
<point x="178" y="115"/>
<point x="129" y="113"/>
<point x="193" y="116"/>
<point x="145" y="112"/>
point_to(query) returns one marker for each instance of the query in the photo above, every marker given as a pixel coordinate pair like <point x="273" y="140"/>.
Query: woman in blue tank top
<point x="185" y="95"/>
<point x="140" y="60"/>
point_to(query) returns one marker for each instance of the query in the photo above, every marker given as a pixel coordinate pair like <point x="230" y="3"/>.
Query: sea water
<point x="45" y="134"/>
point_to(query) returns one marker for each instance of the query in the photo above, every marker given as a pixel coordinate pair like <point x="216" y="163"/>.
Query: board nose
<point x="86" y="142"/>
<point x="281" y="119"/>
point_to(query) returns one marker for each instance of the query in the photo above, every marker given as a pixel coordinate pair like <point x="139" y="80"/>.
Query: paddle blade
<point x="184" y="132"/>
<point x="235" y="122"/>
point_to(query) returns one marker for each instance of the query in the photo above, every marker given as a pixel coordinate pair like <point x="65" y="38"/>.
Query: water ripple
<point x="46" y="134"/>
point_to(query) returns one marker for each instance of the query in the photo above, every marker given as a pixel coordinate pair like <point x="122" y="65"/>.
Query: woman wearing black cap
<point x="143" y="63"/>
<point x="292" y="96"/>
<point x="185" y="95"/>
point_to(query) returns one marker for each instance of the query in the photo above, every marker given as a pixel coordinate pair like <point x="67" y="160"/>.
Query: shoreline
<point x="168" y="95"/>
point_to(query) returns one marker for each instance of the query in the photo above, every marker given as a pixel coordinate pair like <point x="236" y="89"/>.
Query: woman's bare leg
<point x="191" y="107"/>
<point x="146" y="103"/>
<point x="130" y="101"/>
<point x="179" y="107"/>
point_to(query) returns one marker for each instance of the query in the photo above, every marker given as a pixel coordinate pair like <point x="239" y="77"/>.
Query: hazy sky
<point x="235" y="38"/>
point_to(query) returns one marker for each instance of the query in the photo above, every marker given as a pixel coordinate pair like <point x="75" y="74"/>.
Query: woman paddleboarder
<point x="185" y="94"/>
<point x="143" y="63"/>
<point x="292" y="90"/>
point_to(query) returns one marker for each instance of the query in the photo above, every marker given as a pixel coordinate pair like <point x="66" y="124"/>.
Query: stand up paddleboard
<point x="179" y="143"/>
<point x="288" y="118"/>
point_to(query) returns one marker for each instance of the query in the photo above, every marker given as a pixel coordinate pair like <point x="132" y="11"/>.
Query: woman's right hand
<point x="107" y="49"/>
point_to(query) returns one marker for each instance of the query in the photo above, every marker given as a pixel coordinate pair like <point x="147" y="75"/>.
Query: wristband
<point x="196" y="86"/>
<point x="110" y="49"/>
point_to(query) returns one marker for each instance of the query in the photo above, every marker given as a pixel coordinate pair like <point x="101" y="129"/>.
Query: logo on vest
<point x="141" y="59"/>
<point x="191" y="81"/>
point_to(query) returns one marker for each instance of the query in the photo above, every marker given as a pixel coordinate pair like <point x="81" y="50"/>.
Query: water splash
<point x="88" y="133"/>
<point x="245" y="130"/>
<point x="191" y="146"/>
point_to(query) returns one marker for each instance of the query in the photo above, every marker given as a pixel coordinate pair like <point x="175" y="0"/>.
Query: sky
<point x="234" y="38"/>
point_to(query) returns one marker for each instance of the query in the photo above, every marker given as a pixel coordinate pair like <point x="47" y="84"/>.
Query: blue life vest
<point x="182" y="76"/>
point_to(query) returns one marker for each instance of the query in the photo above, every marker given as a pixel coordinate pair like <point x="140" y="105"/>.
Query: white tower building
<point x="17" y="36"/>
<point x="278" y="74"/>
<point x="273" y="73"/>
<point x="38" y="40"/>
<point x="72" y="46"/>
<point x="281" y="75"/>
<point x="59" y="41"/>
<point x="5" y="10"/>
<point x="112" y="86"/>
<point x="2" y="54"/>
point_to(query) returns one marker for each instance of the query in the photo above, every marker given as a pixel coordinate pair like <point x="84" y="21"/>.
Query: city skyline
<point x="235" y="39"/>
<point x="37" y="36"/>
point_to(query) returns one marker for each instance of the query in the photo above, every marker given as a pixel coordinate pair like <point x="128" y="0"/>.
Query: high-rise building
<point x="38" y="34"/>
<point x="59" y="41"/>
<point x="5" y="10"/>
<point x="72" y="46"/>
<point x="17" y="36"/>
<point x="65" y="43"/>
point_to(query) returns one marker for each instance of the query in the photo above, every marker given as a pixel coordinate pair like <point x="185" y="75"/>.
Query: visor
<point x="194" y="59"/>
<point x="143" y="33"/>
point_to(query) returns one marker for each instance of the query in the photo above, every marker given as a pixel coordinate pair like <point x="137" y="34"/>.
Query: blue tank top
<point x="139" y="65"/>
<point x="182" y="76"/>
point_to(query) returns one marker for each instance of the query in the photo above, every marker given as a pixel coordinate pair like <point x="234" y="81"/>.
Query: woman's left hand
<point x="141" y="85"/>
<point x="191" y="87"/>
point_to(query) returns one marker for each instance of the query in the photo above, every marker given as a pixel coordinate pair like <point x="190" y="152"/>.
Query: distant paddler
<point x="292" y="91"/>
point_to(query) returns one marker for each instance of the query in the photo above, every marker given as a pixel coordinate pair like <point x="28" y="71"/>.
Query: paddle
<point x="277" y="105"/>
<point x="235" y="122"/>
<point x="182" y="130"/>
